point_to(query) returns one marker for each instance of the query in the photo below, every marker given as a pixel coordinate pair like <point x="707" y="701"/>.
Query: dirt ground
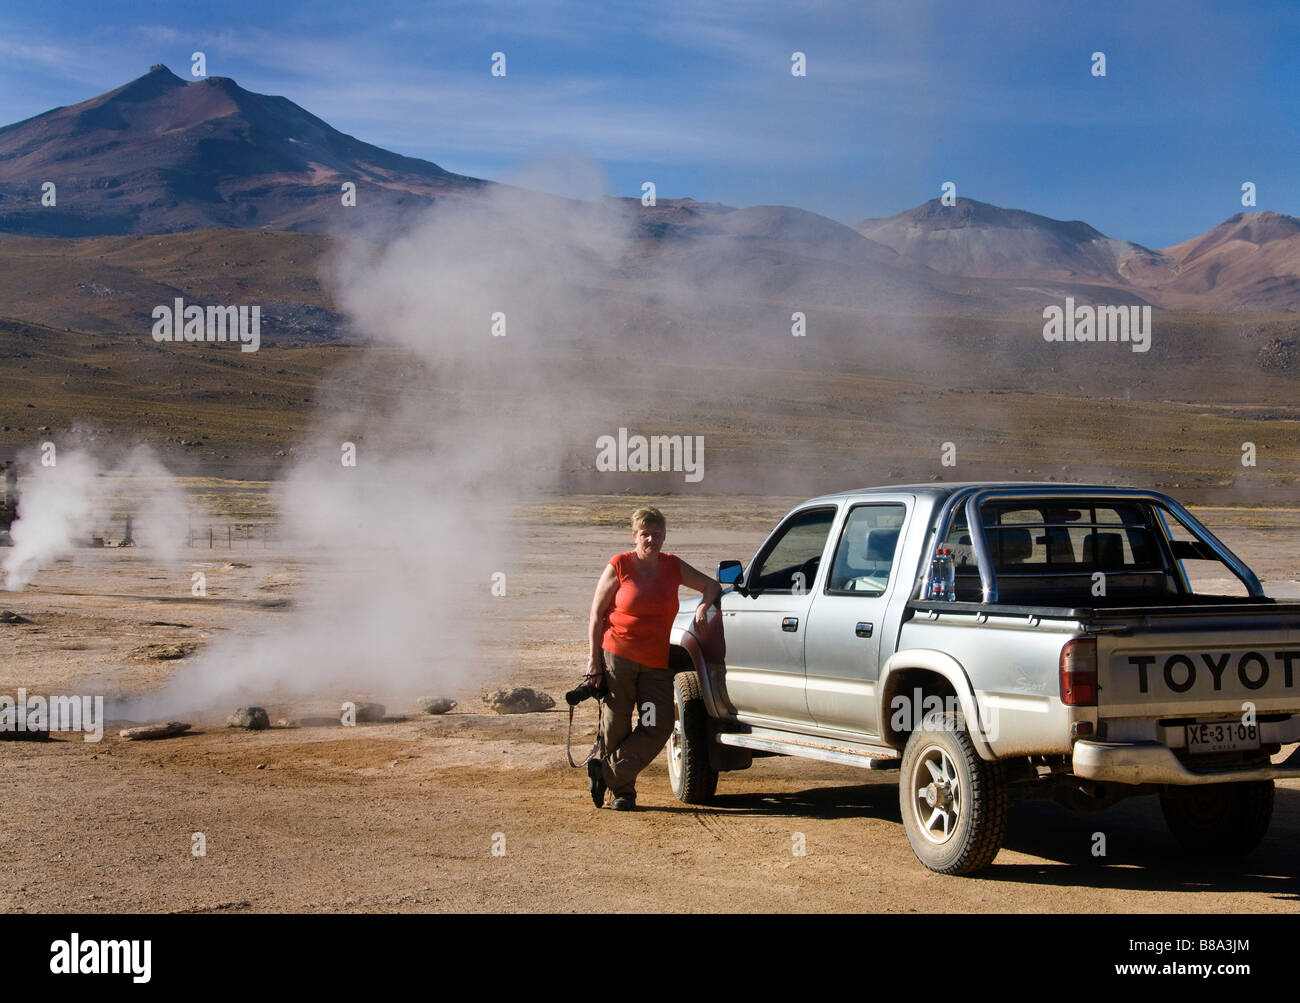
<point x="476" y="812"/>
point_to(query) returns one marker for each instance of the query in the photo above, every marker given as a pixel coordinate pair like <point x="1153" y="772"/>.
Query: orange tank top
<point x="642" y="616"/>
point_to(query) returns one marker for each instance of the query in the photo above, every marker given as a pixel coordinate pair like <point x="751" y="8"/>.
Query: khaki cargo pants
<point x="647" y="692"/>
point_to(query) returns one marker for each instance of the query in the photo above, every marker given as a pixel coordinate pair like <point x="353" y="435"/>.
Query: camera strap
<point x="595" y="748"/>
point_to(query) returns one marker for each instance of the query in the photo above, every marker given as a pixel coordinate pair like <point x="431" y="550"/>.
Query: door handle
<point x="863" y="629"/>
<point x="790" y="624"/>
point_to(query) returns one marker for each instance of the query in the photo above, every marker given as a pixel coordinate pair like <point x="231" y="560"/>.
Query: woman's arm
<point x="701" y="582"/>
<point x="601" y="603"/>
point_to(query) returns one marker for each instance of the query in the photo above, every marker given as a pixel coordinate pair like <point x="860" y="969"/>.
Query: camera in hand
<point x="586" y="691"/>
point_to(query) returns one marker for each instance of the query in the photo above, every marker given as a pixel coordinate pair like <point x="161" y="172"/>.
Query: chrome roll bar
<point x="974" y="499"/>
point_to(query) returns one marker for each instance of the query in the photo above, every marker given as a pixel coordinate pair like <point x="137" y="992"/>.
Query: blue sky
<point x="698" y="97"/>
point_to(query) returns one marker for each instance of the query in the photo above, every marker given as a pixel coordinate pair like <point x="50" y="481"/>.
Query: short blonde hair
<point x="647" y="516"/>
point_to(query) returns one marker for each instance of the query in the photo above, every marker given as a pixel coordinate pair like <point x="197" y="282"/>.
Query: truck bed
<point x="1150" y="606"/>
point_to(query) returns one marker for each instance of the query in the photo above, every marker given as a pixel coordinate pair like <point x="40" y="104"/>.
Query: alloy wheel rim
<point x="675" y="751"/>
<point x="937" y="795"/>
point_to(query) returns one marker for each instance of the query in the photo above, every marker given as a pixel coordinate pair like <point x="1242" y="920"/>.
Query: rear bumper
<point x="1152" y="763"/>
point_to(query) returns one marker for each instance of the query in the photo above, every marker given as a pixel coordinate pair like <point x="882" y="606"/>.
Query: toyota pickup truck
<point x="1090" y="644"/>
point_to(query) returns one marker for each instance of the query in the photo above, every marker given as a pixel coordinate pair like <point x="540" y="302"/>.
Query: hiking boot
<point x="625" y="802"/>
<point x="597" y="785"/>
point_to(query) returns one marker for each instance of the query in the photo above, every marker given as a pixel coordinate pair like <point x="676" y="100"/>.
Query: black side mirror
<point x="730" y="573"/>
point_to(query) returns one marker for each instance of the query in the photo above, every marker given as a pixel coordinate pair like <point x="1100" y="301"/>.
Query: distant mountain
<point x="160" y="155"/>
<point x="1249" y="262"/>
<point x="779" y="253"/>
<point x="978" y="240"/>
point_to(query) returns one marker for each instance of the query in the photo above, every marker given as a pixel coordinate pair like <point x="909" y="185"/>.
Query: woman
<point x="631" y="618"/>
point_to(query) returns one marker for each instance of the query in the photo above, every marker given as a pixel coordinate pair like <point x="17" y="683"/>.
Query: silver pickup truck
<point x="1099" y="643"/>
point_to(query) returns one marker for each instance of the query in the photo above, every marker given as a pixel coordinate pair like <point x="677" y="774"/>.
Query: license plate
<point x="1222" y="736"/>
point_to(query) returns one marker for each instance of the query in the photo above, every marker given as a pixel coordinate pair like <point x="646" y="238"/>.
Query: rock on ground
<point x="252" y="718"/>
<point x="167" y="730"/>
<point x="163" y="652"/>
<point x="519" y="700"/>
<point x="365" y="712"/>
<point x="26" y="735"/>
<point x="9" y="616"/>
<point x="435" y="705"/>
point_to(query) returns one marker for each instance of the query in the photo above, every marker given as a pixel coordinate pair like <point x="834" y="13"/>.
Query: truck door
<point x="765" y="627"/>
<point x="848" y="617"/>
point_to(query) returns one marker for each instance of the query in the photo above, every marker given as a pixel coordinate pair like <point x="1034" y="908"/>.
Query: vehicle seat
<point x="866" y="554"/>
<point x="1012" y="546"/>
<point x="850" y="559"/>
<point x="1061" y="546"/>
<point x="880" y="550"/>
<point x="1104" y="550"/>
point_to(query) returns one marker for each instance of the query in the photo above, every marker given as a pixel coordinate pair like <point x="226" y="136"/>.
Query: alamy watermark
<point x="55" y="713"/>
<point x="638" y="453"/>
<point x="75" y="956"/>
<point x="908" y="711"/>
<point x="179" y="322"/>
<point x="1099" y="323"/>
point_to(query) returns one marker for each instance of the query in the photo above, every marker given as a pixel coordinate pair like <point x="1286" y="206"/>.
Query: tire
<point x="692" y="780"/>
<point x="1219" y="820"/>
<point x="954" y="804"/>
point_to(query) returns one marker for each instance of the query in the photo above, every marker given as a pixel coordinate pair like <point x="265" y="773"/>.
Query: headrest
<point x="1106" y="550"/>
<point x="1017" y="545"/>
<point x="881" y="544"/>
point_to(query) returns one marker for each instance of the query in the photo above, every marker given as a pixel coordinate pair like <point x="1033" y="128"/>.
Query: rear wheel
<point x="954" y="804"/>
<point x="1219" y="820"/>
<point x="689" y="773"/>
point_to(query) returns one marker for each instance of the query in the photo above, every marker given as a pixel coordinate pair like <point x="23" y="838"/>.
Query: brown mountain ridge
<point x="1248" y="262"/>
<point x="160" y="155"/>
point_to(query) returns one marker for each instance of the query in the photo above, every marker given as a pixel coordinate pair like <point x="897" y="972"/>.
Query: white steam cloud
<point x="457" y="427"/>
<point x="506" y="334"/>
<point x="65" y="502"/>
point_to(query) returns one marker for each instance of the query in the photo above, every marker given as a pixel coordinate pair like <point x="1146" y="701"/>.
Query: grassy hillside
<point x="865" y="398"/>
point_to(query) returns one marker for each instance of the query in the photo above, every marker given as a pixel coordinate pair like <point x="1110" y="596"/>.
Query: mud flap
<point x="727" y="758"/>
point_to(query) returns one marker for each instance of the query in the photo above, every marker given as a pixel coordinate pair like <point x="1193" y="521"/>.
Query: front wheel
<point x="954" y="804"/>
<point x="692" y="779"/>
<point x="1219" y="820"/>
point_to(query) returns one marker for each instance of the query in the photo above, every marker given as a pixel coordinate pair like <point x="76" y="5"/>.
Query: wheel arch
<point x="684" y="653"/>
<point x="934" y="673"/>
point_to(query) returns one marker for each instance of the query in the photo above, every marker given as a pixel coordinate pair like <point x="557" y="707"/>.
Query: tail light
<point x="1079" y="672"/>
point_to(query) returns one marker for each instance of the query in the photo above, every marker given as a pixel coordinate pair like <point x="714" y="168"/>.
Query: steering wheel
<point x="809" y="571"/>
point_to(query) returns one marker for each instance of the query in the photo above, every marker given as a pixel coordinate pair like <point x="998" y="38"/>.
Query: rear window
<point x="1061" y="537"/>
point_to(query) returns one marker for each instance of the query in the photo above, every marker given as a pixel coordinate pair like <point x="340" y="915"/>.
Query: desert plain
<point x="473" y="811"/>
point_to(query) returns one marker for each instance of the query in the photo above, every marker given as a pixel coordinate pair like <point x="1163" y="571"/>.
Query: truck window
<point x="1073" y="551"/>
<point x="789" y="563"/>
<point x="864" y="556"/>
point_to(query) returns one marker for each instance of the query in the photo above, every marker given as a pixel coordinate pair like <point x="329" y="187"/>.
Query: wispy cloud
<point x="419" y="108"/>
<point x="38" y="53"/>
